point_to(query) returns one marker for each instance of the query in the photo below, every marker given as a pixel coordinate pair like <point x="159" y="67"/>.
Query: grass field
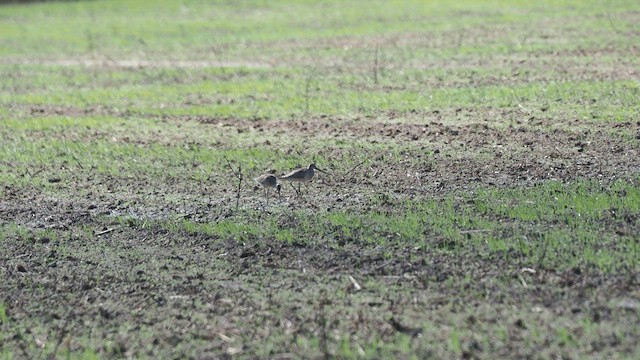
<point x="481" y="200"/>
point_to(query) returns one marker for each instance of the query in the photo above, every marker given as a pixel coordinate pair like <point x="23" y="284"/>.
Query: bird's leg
<point x="294" y="189"/>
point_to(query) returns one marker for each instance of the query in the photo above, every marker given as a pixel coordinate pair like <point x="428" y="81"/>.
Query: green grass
<point x="117" y="197"/>
<point x="258" y="94"/>
<point x="566" y="227"/>
<point x="3" y="313"/>
<point x="194" y="27"/>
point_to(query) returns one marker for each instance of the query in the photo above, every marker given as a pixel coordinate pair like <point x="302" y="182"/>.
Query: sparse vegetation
<point x="483" y="199"/>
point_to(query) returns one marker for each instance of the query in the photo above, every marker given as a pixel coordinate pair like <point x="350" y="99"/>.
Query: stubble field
<point x="481" y="196"/>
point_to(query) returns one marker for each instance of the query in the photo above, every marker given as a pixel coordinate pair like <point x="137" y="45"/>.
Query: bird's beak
<point x="322" y="171"/>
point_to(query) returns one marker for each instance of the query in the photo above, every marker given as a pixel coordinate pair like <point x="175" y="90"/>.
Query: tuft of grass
<point x="3" y="314"/>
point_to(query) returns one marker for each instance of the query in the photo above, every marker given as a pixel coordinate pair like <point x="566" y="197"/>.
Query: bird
<point x="268" y="181"/>
<point x="301" y="175"/>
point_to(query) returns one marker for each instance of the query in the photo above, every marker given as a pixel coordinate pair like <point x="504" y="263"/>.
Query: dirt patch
<point x="86" y="265"/>
<point x="108" y="63"/>
<point x="57" y="110"/>
<point x="440" y="150"/>
<point x="201" y="294"/>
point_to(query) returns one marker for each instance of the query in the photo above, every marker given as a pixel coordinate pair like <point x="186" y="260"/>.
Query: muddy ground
<point x="105" y="255"/>
<point x="81" y="280"/>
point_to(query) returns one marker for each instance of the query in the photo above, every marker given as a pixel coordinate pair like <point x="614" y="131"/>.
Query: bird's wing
<point x="261" y="178"/>
<point x="295" y="174"/>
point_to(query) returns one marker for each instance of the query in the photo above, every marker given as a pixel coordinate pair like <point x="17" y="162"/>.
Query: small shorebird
<point x="268" y="181"/>
<point x="301" y="175"/>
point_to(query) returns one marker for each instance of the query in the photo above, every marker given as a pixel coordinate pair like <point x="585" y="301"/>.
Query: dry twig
<point x="238" y="175"/>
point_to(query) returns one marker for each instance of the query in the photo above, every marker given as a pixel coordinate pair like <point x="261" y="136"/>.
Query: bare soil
<point x="152" y="292"/>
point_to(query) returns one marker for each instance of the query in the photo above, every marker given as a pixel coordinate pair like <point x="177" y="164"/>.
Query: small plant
<point x="454" y="339"/>
<point x="3" y="314"/>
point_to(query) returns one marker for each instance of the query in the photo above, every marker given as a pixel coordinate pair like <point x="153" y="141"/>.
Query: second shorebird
<point x="268" y="181"/>
<point x="301" y="175"/>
